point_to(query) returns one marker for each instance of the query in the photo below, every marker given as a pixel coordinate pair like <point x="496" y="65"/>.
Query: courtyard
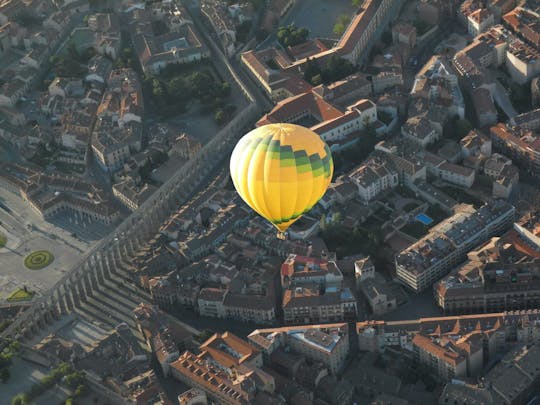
<point x="319" y="16"/>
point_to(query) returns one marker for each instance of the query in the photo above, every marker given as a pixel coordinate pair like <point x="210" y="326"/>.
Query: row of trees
<point x="6" y="357"/>
<point x="73" y="379"/>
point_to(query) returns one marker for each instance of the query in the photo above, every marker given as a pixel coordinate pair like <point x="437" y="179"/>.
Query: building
<point x="227" y="369"/>
<point x="379" y="295"/>
<point x="164" y="35"/>
<point x="502" y="274"/>
<point x="522" y="61"/>
<point x="193" y="397"/>
<point x="484" y="107"/>
<point x="344" y="92"/>
<point x="328" y="343"/>
<point x="339" y="128"/>
<point x="527" y="121"/>
<point x="363" y="269"/>
<point x="448" y="359"/>
<point x="524" y="23"/>
<point x="519" y="145"/>
<point x="479" y="20"/>
<point x="374" y="176"/>
<point x="51" y="194"/>
<point x="420" y="130"/>
<point x="305" y="305"/>
<point x="183" y="45"/>
<point x="404" y="33"/>
<point x="494" y="166"/>
<point x="513" y="381"/>
<point x="436" y="94"/>
<point x="300" y="270"/>
<point x="279" y="75"/>
<point x="535" y="92"/>
<point x="268" y="67"/>
<point x="498" y="331"/>
<point x="131" y="194"/>
<point x="118" y="131"/>
<point x="446" y="244"/>
<point x="506" y="182"/>
<point x="475" y="143"/>
<point x="210" y="302"/>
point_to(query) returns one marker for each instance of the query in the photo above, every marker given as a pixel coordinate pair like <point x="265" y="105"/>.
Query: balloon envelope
<point x="281" y="171"/>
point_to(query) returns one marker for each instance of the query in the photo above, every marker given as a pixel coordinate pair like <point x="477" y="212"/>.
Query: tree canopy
<point x="290" y="35"/>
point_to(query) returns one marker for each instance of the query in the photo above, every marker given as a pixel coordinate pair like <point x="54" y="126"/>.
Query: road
<point x="231" y="68"/>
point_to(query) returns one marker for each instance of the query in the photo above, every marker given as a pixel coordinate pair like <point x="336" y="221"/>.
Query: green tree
<point x="220" y="117"/>
<point x="225" y="89"/>
<point x="290" y="35"/>
<point x="317" y="79"/>
<point x="357" y="3"/>
<point x="21" y="399"/>
<point x="312" y="69"/>
<point x="342" y="22"/>
<point x="81" y="391"/>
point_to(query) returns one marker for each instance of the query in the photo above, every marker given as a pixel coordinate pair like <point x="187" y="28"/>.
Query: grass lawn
<point x="3" y="240"/>
<point x="20" y="295"/>
<point x="38" y="260"/>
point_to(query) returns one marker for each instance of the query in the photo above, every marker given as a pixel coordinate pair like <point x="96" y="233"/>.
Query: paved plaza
<point x="67" y="237"/>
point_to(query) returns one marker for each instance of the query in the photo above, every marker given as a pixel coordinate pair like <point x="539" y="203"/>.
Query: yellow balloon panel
<point x="281" y="171"/>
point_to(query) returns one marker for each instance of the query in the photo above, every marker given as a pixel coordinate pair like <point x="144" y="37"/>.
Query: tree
<point x="317" y="79"/>
<point x="342" y="22"/>
<point x="290" y="35"/>
<point x="225" y="89"/>
<point x="20" y="399"/>
<point x="220" y="117"/>
<point x="81" y="390"/>
<point x="312" y="69"/>
<point x="336" y="69"/>
<point x="357" y="3"/>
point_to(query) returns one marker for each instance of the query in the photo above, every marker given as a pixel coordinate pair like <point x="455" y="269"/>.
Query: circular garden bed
<point x="38" y="260"/>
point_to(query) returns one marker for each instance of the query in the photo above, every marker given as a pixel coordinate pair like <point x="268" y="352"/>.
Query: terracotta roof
<point x="309" y="102"/>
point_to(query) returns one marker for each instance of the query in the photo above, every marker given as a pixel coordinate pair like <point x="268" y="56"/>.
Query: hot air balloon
<point x="281" y="171"/>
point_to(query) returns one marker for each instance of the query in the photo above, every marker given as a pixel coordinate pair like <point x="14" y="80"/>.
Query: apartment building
<point x="502" y="274"/>
<point x="446" y="244"/>
<point x="519" y="145"/>
<point x="374" y="176"/>
<point x="327" y="343"/>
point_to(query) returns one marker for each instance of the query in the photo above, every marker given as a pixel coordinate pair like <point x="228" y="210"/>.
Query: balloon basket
<point x="281" y="235"/>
